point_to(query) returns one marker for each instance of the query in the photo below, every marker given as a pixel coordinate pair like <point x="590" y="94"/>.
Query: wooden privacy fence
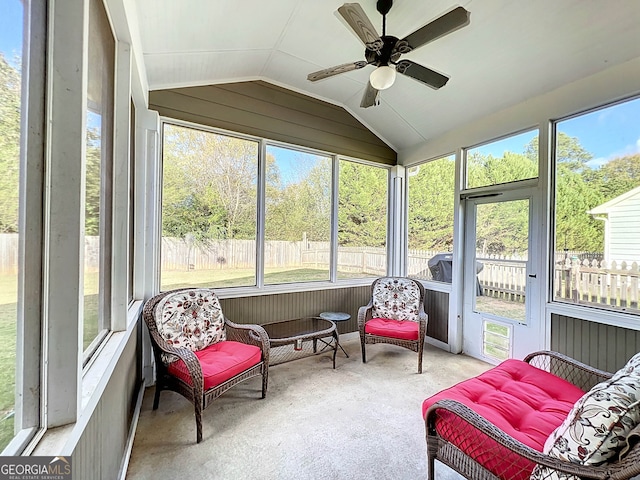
<point x="581" y="277"/>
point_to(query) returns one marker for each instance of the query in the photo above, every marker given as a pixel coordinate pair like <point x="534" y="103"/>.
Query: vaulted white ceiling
<point x="511" y="51"/>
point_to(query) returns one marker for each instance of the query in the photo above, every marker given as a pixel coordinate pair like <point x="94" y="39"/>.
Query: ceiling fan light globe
<point x="382" y="77"/>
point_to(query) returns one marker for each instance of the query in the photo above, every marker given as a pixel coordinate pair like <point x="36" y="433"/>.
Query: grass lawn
<point x="502" y="307"/>
<point x="216" y="278"/>
<point x="8" y="314"/>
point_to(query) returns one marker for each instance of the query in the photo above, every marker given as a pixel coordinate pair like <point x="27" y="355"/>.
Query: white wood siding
<point x="624" y="235"/>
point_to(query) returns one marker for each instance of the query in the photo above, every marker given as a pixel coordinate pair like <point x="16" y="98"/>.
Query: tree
<point x="569" y="152"/>
<point x="617" y="176"/>
<point x="209" y="185"/>
<point x="301" y="205"/>
<point x="9" y="146"/>
<point x="92" y="182"/>
<point x="431" y="203"/>
<point x="362" y="205"/>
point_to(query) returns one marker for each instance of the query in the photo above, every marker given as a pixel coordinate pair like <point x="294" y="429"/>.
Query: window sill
<point x="96" y="375"/>
<point x="235" y="292"/>
<point x="597" y="315"/>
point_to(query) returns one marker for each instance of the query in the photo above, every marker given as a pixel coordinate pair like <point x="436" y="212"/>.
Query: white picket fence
<point x="598" y="282"/>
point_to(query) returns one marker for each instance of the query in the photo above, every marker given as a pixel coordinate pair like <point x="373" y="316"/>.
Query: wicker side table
<point x="336" y="317"/>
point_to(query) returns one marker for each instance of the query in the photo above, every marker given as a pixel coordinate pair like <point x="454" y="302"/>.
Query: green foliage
<point x="301" y="206"/>
<point x="568" y="152"/>
<point x="431" y="197"/>
<point x="362" y="205"/>
<point x="617" y="176"/>
<point x="9" y="146"/>
<point x="489" y="170"/>
<point x="92" y="182"/>
<point x="209" y="185"/>
<point x="502" y="228"/>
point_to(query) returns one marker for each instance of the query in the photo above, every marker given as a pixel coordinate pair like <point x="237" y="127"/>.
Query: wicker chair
<point x="200" y="353"/>
<point x="395" y="314"/>
<point x="463" y="439"/>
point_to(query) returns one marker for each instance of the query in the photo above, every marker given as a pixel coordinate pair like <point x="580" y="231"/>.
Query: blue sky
<point x="11" y="13"/>
<point x="607" y="133"/>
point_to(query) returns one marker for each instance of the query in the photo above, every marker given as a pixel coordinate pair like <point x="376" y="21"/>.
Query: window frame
<point x="261" y="288"/>
<point x="434" y="284"/>
<point x="592" y="313"/>
<point x="29" y="350"/>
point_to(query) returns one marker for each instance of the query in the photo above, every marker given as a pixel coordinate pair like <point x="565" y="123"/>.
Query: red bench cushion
<point x="523" y="401"/>
<point x="387" y="327"/>
<point x="220" y="362"/>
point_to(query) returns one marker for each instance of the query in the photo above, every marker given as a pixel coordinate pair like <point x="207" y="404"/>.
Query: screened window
<point x="431" y="190"/>
<point x="98" y="175"/>
<point x="507" y="160"/>
<point x="297" y="235"/>
<point x="132" y="209"/>
<point x="11" y="22"/>
<point x="362" y="220"/>
<point x="209" y="209"/>
<point x="597" y="208"/>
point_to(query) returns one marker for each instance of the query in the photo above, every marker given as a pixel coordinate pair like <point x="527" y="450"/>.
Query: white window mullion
<point x="29" y="325"/>
<point x="121" y="181"/>
<point x="395" y="236"/>
<point x="333" y="245"/>
<point x="64" y="209"/>
<point x="262" y="209"/>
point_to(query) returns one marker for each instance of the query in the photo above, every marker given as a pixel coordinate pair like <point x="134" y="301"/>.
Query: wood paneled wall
<point x="101" y="447"/>
<point x="436" y="304"/>
<point x="271" y="308"/>
<point x="265" y="110"/>
<point x="602" y="346"/>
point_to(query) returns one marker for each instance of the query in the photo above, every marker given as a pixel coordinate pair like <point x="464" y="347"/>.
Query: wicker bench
<point x="497" y="425"/>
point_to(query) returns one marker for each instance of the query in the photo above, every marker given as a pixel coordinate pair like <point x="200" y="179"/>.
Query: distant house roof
<point x="614" y="202"/>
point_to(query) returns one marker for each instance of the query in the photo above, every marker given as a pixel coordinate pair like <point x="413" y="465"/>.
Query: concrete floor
<point x="359" y="421"/>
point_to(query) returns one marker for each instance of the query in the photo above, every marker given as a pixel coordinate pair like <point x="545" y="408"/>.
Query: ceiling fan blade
<point x="355" y="17"/>
<point x="371" y="97"/>
<point x="330" y="72"/>
<point x="423" y="74"/>
<point x="447" y="23"/>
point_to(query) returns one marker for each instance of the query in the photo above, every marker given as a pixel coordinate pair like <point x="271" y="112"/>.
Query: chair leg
<point x="156" y="397"/>
<point x="265" y="379"/>
<point x="432" y="468"/>
<point x="420" y="361"/>
<point x="198" y="410"/>
<point x="364" y="353"/>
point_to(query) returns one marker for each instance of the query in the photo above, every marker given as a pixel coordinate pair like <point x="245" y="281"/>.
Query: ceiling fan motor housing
<point x="385" y="54"/>
<point x="384" y="6"/>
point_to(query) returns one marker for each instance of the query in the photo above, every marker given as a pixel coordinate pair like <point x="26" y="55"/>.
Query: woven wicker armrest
<point x="364" y="314"/>
<point x="250" y="334"/>
<point x="187" y="356"/>
<point x="468" y="416"/>
<point x="580" y="374"/>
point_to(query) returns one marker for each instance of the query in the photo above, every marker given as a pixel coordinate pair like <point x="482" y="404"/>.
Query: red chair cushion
<point x="522" y="400"/>
<point x="220" y="362"/>
<point x="387" y="327"/>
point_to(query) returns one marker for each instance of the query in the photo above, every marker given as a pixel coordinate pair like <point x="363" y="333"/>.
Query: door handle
<point x="533" y="275"/>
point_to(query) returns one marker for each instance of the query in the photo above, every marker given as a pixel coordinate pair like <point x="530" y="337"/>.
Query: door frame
<point x="526" y="337"/>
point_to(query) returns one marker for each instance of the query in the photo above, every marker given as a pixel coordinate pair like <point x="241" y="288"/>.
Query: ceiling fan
<point x="384" y="51"/>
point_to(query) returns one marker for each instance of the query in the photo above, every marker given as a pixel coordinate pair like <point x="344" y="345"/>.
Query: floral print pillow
<point x="190" y="318"/>
<point x="597" y="427"/>
<point x="396" y="298"/>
